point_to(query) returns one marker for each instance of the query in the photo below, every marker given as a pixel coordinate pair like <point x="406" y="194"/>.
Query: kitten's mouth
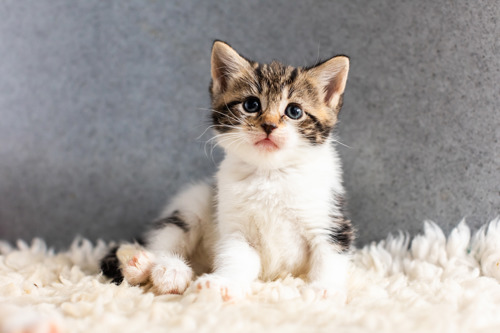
<point x="267" y="144"/>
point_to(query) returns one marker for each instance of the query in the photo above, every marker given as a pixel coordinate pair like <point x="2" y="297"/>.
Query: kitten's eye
<point x="293" y="111"/>
<point x="251" y="104"/>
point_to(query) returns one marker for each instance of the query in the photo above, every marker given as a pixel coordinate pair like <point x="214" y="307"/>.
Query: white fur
<point x="281" y="212"/>
<point x="171" y="275"/>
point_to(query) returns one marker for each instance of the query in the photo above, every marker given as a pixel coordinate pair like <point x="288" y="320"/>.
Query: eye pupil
<point x="293" y="111"/>
<point x="251" y="104"/>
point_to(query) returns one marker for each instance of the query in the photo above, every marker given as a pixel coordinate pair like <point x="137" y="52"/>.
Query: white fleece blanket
<point x="428" y="284"/>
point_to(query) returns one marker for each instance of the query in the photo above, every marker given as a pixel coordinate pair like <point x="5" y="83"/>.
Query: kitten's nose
<point x="268" y="127"/>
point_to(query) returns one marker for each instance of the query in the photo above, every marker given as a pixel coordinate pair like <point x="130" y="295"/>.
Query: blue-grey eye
<point x="251" y="104"/>
<point x="293" y="111"/>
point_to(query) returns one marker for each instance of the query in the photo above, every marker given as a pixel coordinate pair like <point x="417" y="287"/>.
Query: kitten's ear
<point x="226" y="63"/>
<point x="332" y="77"/>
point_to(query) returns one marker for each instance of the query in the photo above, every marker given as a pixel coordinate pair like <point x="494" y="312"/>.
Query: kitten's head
<point x="272" y="112"/>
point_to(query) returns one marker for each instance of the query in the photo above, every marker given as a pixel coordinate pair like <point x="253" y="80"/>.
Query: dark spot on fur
<point x="226" y="116"/>
<point x="324" y="130"/>
<point x="259" y="76"/>
<point x="341" y="232"/>
<point x="293" y="76"/>
<point x="232" y="104"/>
<point x="110" y="266"/>
<point x="140" y="241"/>
<point x="313" y="130"/>
<point x="174" y="219"/>
<point x="291" y="80"/>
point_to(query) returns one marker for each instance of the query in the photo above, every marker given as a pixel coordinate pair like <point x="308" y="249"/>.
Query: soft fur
<point x="432" y="283"/>
<point x="276" y="207"/>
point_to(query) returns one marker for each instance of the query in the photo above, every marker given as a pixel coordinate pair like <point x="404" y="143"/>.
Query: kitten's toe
<point x="228" y="290"/>
<point x="136" y="266"/>
<point x="171" y="275"/>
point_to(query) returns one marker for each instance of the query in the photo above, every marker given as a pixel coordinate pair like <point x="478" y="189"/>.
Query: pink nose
<point x="268" y="127"/>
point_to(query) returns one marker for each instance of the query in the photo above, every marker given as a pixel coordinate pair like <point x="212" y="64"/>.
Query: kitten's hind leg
<point x="186" y="226"/>
<point x="183" y="236"/>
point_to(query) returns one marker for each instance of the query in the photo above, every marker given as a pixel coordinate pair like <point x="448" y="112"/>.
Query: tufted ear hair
<point x="332" y="77"/>
<point x="226" y="63"/>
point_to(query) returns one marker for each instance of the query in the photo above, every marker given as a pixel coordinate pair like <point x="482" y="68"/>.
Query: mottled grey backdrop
<point x="102" y="102"/>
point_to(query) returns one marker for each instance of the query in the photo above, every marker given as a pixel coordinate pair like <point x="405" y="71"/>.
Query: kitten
<point x="277" y="205"/>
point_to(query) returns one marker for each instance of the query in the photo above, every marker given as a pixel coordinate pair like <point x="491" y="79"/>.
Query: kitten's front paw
<point x="136" y="263"/>
<point x="171" y="275"/>
<point x="228" y="289"/>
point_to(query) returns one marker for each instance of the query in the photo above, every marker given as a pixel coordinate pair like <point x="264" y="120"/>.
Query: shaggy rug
<point x="428" y="284"/>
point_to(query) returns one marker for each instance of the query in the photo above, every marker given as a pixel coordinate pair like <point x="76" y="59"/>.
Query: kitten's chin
<point x="265" y="155"/>
<point x="263" y="152"/>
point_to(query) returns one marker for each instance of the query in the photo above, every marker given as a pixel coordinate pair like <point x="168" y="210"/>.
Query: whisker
<point x="341" y="143"/>
<point x="241" y="118"/>
<point x="219" y="125"/>
<point x="217" y="139"/>
<point x="224" y="114"/>
<point x="239" y="140"/>
<point x="232" y="116"/>
<point x="221" y="138"/>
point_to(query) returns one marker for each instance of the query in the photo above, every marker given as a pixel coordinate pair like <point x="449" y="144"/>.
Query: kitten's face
<point x="271" y="112"/>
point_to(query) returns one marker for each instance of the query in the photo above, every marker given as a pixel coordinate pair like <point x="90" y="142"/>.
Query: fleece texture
<point x="431" y="283"/>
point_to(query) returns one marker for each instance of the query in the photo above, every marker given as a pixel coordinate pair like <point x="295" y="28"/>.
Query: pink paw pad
<point x="138" y="268"/>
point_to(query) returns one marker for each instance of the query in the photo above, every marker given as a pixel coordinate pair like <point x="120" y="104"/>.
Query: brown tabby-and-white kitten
<point x="277" y="205"/>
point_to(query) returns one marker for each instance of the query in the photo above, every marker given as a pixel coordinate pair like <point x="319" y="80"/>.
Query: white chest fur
<point x="279" y="210"/>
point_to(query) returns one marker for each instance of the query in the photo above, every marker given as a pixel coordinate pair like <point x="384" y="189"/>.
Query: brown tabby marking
<point x="271" y="83"/>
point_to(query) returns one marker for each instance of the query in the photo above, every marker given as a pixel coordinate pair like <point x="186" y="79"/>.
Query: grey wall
<point x="101" y="104"/>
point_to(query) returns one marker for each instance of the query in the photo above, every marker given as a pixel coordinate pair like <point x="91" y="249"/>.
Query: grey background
<point x="101" y="104"/>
